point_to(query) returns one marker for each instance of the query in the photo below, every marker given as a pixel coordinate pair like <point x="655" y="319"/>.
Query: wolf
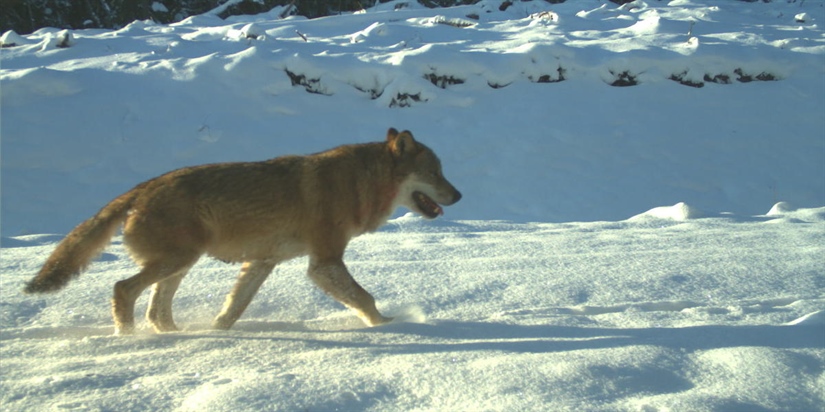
<point x="257" y="213"/>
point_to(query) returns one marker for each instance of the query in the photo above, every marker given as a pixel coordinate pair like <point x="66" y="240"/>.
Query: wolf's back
<point x="74" y="253"/>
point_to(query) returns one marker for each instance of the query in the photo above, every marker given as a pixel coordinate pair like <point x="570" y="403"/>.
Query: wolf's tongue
<point x="427" y="205"/>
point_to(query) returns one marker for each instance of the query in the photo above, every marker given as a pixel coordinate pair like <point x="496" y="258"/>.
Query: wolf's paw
<point x="124" y="330"/>
<point x="380" y="320"/>
<point x="221" y="324"/>
<point x="163" y="326"/>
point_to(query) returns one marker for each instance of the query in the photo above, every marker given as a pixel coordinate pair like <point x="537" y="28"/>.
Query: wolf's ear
<point x="391" y="134"/>
<point x="400" y="143"/>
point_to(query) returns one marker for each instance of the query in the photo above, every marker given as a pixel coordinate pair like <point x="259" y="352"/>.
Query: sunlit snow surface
<point x="655" y="247"/>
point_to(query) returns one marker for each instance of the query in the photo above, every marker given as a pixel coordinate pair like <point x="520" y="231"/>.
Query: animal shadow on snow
<point x="543" y="338"/>
<point x="456" y="336"/>
<point x="452" y="336"/>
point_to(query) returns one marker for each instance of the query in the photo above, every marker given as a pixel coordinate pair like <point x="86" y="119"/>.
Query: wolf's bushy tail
<point x="74" y="253"/>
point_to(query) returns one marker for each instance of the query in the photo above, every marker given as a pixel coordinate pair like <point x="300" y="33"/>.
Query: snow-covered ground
<point x="617" y="248"/>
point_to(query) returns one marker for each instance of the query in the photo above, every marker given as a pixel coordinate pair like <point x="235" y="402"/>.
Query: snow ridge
<point x="701" y="314"/>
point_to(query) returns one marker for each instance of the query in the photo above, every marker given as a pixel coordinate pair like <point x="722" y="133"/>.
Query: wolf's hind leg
<point x="333" y="278"/>
<point x="159" y="313"/>
<point x="127" y="291"/>
<point x="252" y="276"/>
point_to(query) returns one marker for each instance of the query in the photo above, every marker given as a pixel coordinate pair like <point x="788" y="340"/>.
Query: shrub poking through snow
<point x="373" y="92"/>
<point x="454" y="22"/>
<point x="549" y="78"/>
<point x="311" y="85"/>
<point x="746" y="78"/>
<point x="443" y="81"/>
<point x="64" y="39"/>
<point x="497" y="85"/>
<point x="405" y="99"/>
<point x="251" y="31"/>
<point x="718" y="78"/>
<point x="682" y="79"/>
<point x="545" y="16"/>
<point x="624" y="79"/>
<point x="741" y="76"/>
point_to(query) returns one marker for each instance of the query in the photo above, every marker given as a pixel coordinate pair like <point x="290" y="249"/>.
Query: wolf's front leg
<point x="253" y="274"/>
<point x="332" y="276"/>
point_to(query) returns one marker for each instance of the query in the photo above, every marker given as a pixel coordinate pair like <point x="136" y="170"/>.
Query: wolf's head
<point x="424" y="188"/>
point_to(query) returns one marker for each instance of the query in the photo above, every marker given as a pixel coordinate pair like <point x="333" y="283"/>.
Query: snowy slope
<point x="89" y="121"/>
<point x="650" y="314"/>
<point x="617" y="248"/>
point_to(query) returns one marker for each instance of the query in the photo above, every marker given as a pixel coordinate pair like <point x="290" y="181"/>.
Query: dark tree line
<point x="26" y="16"/>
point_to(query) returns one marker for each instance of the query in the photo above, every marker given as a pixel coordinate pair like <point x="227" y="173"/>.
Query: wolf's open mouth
<point x="427" y="206"/>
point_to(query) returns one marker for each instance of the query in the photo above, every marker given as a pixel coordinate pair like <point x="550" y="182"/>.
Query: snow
<point x="652" y="247"/>
<point x="12" y="39"/>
